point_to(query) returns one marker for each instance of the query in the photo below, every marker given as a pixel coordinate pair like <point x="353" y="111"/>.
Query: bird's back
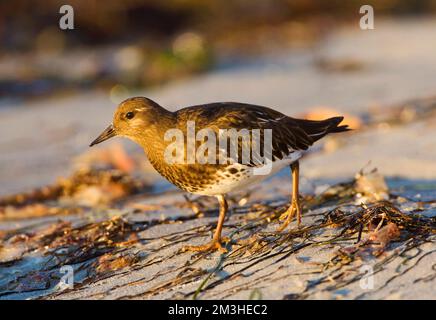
<point x="288" y="133"/>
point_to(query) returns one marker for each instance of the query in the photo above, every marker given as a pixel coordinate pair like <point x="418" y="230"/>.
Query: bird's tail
<point x="318" y="129"/>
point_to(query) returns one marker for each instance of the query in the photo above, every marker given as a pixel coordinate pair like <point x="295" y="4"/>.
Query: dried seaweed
<point x="351" y="231"/>
<point x="383" y="216"/>
<point x="86" y="187"/>
<point x="93" y="246"/>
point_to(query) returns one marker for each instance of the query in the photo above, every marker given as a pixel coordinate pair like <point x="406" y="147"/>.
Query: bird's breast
<point x="215" y="179"/>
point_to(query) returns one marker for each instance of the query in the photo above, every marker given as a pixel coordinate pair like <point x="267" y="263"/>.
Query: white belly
<point x="245" y="176"/>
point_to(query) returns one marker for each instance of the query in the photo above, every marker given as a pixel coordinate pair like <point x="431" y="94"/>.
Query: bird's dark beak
<point x="105" y="135"/>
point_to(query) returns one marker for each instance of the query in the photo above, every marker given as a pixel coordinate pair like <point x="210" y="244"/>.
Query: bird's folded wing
<point x="286" y="135"/>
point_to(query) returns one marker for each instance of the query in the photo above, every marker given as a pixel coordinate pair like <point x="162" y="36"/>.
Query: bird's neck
<point x="152" y="140"/>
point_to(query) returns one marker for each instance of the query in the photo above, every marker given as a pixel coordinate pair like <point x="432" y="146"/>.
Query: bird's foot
<point x="215" y="244"/>
<point x="289" y="214"/>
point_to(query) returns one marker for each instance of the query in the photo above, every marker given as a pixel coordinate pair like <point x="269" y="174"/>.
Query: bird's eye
<point x="130" y="115"/>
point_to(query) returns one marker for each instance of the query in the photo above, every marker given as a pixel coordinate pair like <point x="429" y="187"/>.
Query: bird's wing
<point x="286" y="135"/>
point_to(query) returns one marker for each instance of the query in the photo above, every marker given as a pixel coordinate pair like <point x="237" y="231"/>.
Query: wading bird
<point x="146" y="123"/>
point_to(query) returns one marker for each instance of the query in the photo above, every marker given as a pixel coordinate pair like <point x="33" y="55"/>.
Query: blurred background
<point x="118" y="46"/>
<point x="58" y="88"/>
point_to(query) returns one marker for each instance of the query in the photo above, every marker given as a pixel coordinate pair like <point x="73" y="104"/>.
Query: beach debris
<point x="370" y="187"/>
<point x="12" y="252"/>
<point x="385" y="235"/>
<point x="110" y="263"/>
<point x="28" y="211"/>
<point x="384" y="223"/>
<point x="337" y="193"/>
<point x="252" y="245"/>
<point x="38" y="195"/>
<point x="93" y="247"/>
<point x="366" y="187"/>
<point x="86" y="187"/>
<point x="95" y="236"/>
<point x="350" y="232"/>
<point x="375" y="243"/>
<point x="97" y="187"/>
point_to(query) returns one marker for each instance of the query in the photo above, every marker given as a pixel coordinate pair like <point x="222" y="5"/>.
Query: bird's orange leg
<point x="216" y="243"/>
<point x="295" y="202"/>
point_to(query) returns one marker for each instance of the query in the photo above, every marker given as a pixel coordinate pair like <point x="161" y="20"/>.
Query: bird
<point x="147" y="123"/>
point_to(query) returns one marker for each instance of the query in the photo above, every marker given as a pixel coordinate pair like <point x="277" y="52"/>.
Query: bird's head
<point x="132" y="119"/>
